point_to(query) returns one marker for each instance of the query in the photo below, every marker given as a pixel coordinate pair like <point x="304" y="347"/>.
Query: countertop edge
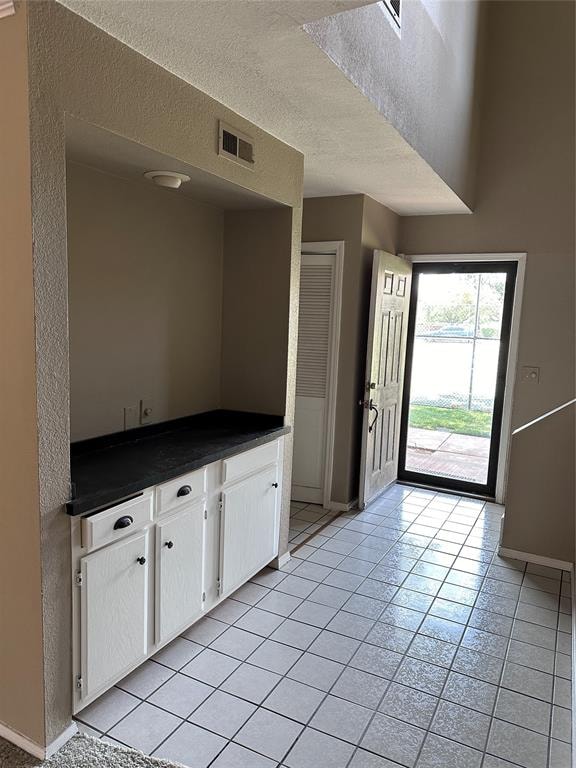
<point x="93" y="502"/>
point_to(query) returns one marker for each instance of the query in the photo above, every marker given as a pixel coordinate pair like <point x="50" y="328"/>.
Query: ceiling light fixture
<point x="168" y="179"/>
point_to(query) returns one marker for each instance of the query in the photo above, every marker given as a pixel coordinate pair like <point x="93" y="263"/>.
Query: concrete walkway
<point x="447" y="454"/>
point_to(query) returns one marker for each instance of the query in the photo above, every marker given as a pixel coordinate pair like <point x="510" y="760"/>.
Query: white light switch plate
<point x="131" y="416"/>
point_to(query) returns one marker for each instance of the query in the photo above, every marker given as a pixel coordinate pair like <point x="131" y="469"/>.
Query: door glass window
<point x="455" y="359"/>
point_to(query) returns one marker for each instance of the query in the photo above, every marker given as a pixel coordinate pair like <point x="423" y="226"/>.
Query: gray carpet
<point x="80" y="752"/>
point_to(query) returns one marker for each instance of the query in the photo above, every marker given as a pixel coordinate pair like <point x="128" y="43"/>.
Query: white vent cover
<point x="235" y="145"/>
<point x="314" y="324"/>
<point x="6" y="8"/>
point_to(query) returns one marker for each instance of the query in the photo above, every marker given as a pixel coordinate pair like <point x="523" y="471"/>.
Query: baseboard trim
<point x="305" y="495"/>
<point x="36" y="750"/>
<point x="59" y="742"/>
<point x="551" y="562"/>
<point x="281" y="560"/>
<point x="336" y="506"/>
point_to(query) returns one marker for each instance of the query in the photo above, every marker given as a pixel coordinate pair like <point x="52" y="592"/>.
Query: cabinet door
<point x="249" y="528"/>
<point x="180" y="563"/>
<point x="114" y="611"/>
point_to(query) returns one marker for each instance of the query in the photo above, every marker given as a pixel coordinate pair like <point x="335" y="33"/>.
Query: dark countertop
<point x="110" y="468"/>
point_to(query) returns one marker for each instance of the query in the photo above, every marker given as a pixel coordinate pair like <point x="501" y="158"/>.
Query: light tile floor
<point x="306" y="519"/>
<point x="396" y="637"/>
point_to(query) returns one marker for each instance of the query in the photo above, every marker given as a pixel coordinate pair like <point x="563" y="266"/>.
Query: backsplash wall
<point x="145" y="301"/>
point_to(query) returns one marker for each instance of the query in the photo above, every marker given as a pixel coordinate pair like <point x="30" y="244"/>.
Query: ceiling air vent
<point x="235" y="146"/>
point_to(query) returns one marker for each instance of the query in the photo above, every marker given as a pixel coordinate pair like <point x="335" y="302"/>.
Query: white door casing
<point x="114" y="612"/>
<point x="385" y="362"/>
<point x="506" y="430"/>
<point x="179" y="570"/>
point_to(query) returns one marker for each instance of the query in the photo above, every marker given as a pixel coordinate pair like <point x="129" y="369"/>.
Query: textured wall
<point x="257" y="259"/>
<point x="21" y="673"/>
<point x="423" y="82"/>
<point x="540" y="503"/>
<point x="145" y="293"/>
<point x="261" y="280"/>
<point x="78" y="69"/>
<point x="525" y="202"/>
<point x="364" y="225"/>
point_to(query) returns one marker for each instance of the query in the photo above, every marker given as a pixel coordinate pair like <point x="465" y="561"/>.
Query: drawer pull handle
<point x="141" y="560"/>
<point x="184" y="491"/>
<point x="169" y="544"/>
<point x="274" y="485"/>
<point x="123" y="522"/>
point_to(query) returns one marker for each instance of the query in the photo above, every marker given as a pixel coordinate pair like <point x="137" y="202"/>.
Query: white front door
<point x="382" y="400"/>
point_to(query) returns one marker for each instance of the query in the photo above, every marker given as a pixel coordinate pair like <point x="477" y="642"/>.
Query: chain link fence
<point x="457" y="340"/>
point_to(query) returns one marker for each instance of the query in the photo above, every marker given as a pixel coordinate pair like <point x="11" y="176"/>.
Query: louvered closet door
<point x="312" y="376"/>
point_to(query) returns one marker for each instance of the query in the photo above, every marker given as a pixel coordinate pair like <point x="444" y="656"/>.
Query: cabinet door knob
<point x="184" y="491"/>
<point x="274" y="485"/>
<point x="123" y="522"/>
<point x="141" y="560"/>
<point x="169" y="544"/>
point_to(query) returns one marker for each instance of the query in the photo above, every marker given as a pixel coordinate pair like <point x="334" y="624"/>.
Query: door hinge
<point x="218" y="586"/>
<point x="221" y="502"/>
<point x="203" y="597"/>
<point x="78" y="579"/>
<point x="79" y="682"/>
<point x="205" y="514"/>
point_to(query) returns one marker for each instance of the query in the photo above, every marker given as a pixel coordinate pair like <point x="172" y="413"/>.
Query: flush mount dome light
<point x="168" y="179"/>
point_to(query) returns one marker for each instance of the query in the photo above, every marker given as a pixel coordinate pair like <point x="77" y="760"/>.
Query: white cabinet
<point x="148" y="568"/>
<point x="114" y="611"/>
<point x="179" y="570"/>
<point x="249" y="527"/>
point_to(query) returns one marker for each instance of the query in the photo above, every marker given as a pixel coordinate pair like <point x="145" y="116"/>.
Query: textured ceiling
<point x="254" y="56"/>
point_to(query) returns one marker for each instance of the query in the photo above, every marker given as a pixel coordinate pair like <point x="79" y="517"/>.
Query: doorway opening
<point x="456" y="361"/>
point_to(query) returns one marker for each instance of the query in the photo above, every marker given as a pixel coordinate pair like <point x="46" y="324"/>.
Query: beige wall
<point x="424" y="81"/>
<point x="145" y="301"/>
<point x="525" y="202"/>
<point x="21" y="673"/>
<point x="76" y="68"/>
<point x="260" y="301"/>
<point x="541" y="488"/>
<point x="364" y="225"/>
<point x="256" y="297"/>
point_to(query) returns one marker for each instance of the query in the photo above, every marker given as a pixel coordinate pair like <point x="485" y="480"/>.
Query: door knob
<point x="274" y="485"/>
<point x="141" y="560"/>
<point x="373" y="408"/>
<point x="169" y="544"/>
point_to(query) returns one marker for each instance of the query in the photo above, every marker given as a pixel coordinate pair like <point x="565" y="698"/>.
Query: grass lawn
<point x="456" y="420"/>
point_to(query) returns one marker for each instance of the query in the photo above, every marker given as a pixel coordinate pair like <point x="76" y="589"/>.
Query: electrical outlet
<point x="131" y="416"/>
<point x="531" y="373"/>
<point x="146" y="410"/>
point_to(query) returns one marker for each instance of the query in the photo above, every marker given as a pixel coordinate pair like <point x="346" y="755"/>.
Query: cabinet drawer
<point x="116" y="522"/>
<point x="250" y="461"/>
<point x="181" y="490"/>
